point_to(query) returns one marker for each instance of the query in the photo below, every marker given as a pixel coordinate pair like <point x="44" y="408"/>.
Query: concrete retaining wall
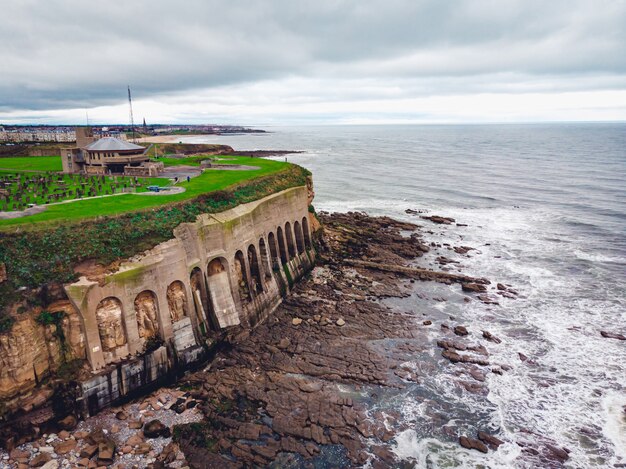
<point x="224" y="270"/>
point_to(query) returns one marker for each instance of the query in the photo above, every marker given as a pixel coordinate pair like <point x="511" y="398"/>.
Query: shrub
<point x="152" y="344"/>
<point x="47" y="318"/>
<point x="6" y="323"/>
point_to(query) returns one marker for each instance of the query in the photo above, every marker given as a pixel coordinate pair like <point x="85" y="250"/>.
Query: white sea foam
<point x="430" y="453"/>
<point x="614" y="428"/>
<point x="594" y="257"/>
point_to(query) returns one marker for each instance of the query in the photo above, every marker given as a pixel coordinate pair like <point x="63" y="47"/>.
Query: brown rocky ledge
<point x="291" y="387"/>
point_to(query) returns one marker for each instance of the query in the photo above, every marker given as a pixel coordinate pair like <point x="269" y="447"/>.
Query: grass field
<point x="22" y="188"/>
<point x="32" y="163"/>
<point x="208" y="181"/>
<point x="189" y="161"/>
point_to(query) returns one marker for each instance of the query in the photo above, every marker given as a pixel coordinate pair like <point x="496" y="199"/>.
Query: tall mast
<point x="132" y="122"/>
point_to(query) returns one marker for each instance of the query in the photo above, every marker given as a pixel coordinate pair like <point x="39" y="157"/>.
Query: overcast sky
<point x="323" y="61"/>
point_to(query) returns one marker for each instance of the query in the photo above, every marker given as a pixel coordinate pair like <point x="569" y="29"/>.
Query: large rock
<point x="439" y="219"/>
<point x="65" y="446"/>
<point x="106" y="452"/>
<point x="490" y="440"/>
<point x="490" y="337"/>
<point x="558" y="453"/>
<point x="40" y="460"/>
<point x="612" y="335"/>
<point x="155" y="428"/>
<point x="473" y="287"/>
<point x="88" y="451"/>
<point x="19" y="455"/>
<point x="53" y="464"/>
<point x="134" y="440"/>
<point x="471" y="443"/>
<point x="68" y="423"/>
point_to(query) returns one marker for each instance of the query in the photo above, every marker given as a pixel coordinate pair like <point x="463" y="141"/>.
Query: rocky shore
<point x="301" y="390"/>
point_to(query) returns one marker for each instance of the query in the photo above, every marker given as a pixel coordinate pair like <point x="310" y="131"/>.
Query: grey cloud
<point x="78" y="54"/>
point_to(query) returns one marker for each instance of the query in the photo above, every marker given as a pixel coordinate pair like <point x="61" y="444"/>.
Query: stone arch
<point x="177" y="301"/>
<point x="282" y="245"/>
<point x="109" y="317"/>
<point x="265" y="259"/>
<point x="271" y="240"/>
<point x="255" y="270"/>
<point x="291" y="247"/>
<point x="307" y="233"/>
<point x="147" y="314"/>
<point x="299" y="238"/>
<point x="216" y="266"/>
<point x="223" y="310"/>
<point x="242" y="277"/>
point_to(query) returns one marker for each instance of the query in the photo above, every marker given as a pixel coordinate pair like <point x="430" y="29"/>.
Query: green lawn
<point x="189" y="160"/>
<point x="32" y="163"/>
<point x="22" y="188"/>
<point x="208" y="181"/>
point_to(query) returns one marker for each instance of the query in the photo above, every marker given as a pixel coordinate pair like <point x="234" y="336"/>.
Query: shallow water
<point x="545" y="206"/>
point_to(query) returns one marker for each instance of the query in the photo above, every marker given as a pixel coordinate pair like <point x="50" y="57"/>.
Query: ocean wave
<point x="591" y="257"/>
<point x="614" y="428"/>
<point x="430" y="453"/>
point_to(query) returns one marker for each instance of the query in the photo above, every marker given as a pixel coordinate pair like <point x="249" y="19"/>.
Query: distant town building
<point x="107" y="155"/>
<point x="36" y="136"/>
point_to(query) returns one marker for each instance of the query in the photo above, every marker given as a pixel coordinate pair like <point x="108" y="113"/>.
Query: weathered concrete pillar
<point x="222" y="300"/>
<point x="165" y="321"/>
<point x="129" y="315"/>
<point x="86" y="304"/>
<point x="191" y="310"/>
<point x="92" y="337"/>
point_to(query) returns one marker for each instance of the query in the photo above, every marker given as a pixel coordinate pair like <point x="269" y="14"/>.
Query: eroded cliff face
<point x="32" y="350"/>
<point x="314" y="223"/>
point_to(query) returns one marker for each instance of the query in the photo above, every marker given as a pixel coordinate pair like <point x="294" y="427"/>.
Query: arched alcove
<point x="177" y="301"/>
<point x="147" y="314"/>
<point x="255" y="272"/>
<point x="299" y="237"/>
<point x="199" y="292"/>
<point x="242" y="277"/>
<point x="216" y="266"/>
<point x="271" y="240"/>
<point x="291" y="247"/>
<point x="307" y="233"/>
<point x="281" y="245"/>
<point x="265" y="259"/>
<point x="110" y="321"/>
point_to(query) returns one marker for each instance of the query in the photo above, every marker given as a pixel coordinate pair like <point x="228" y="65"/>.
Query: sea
<point x="545" y="209"/>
